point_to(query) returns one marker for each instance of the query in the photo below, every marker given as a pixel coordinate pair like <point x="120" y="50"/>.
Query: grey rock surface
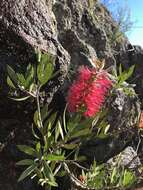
<point x="127" y="158"/>
<point x="80" y="30"/>
<point x="24" y="26"/>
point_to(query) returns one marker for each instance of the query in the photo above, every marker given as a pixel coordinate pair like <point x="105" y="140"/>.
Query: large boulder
<point x="24" y="26"/>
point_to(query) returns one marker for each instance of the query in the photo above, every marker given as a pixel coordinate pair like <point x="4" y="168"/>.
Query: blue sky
<point x="135" y="35"/>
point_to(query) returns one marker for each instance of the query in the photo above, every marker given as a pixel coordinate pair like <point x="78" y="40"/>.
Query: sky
<point x="135" y="34"/>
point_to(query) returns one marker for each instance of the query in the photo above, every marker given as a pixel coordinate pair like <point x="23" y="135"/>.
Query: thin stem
<point x="76" y="164"/>
<point x="27" y="92"/>
<point x="47" y="187"/>
<point x="38" y="107"/>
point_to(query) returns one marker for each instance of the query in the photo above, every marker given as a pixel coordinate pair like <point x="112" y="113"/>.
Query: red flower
<point x="82" y="178"/>
<point x="87" y="94"/>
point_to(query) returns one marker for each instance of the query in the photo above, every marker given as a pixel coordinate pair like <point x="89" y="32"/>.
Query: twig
<point x="77" y="164"/>
<point x="77" y="183"/>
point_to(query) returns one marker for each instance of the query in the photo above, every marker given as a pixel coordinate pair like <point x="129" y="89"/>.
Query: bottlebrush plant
<point x="87" y="94"/>
<point x="57" y="140"/>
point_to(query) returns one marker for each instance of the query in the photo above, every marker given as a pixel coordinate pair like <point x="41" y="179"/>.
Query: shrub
<point x="57" y="140"/>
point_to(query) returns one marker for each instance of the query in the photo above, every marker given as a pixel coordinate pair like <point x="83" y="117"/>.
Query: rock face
<point x="80" y="30"/>
<point x="77" y="27"/>
<point x="122" y="127"/>
<point x="72" y="31"/>
<point x="25" y="25"/>
<point x="136" y="58"/>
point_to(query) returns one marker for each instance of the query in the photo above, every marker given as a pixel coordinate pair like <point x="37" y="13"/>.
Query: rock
<point x="80" y="30"/>
<point x="136" y="58"/>
<point x="24" y="26"/>
<point x="121" y="102"/>
<point x="127" y="158"/>
<point x="133" y="55"/>
<point x="123" y="128"/>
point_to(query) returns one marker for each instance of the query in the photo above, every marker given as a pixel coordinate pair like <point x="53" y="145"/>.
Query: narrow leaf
<point x="48" y="173"/>
<point x="45" y="68"/>
<point x="70" y="146"/>
<point x="10" y="83"/>
<point x="29" y="76"/>
<point x="21" y="79"/>
<point x="12" y="74"/>
<point x="80" y="133"/>
<point x="27" y="150"/>
<point x="25" y="162"/>
<point x="53" y="157"/>
<point x="60" y="130"/>
<point x="27" y="172"/>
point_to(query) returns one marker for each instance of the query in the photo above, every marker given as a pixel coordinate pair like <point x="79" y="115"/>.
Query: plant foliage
<point x="56" y="139"/>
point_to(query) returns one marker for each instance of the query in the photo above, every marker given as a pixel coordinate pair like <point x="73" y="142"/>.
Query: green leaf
<point x="61" y="173"/>
<point x="70" y="146"/>
<point x="114" y="72"/>
<point x="50" y="121"/>
<point x="21" y="79"/>
<point x="27" y="172"/>
<point x="81" y="158"/>
<point x="27" y="150"/>
<point x="12" y="74"/>
<point x="38" y="147"/>
<point x="57" y="133"/>
<point x="38" y="55"/>
<point x="45" y="68"/>
<point x="10" y="83"/>
<point x="103" y="128"/>
<point x="25" y="162"/>
<point x="29" y="76"/>
<point x="50" y="142"/>
<point x="53" y="183"/>
<point x="38" y="150"/>
<point x="44" y="112"/>
<point x="60" y="130"/>
<point x="36" y="119"/>
<point x="64" y="119"/>
<point x="80" y="133"/>
<point x="79" y="127"/>
<point x="54" y="157"/>
<point x="128" y="179"/>
<point x="48" y="174"/>
<point x="73" y="121"/>
<point x="126" y="74"/>
<point x="113" y="176"/>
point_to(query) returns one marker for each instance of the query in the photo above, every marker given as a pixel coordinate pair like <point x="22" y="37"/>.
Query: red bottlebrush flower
<point x="141" y="120"/>
<point x="87" y="94"/>
<point x="82" y="178"/>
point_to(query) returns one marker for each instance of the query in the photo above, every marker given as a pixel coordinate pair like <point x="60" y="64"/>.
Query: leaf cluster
<point x="109" y="176"/>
